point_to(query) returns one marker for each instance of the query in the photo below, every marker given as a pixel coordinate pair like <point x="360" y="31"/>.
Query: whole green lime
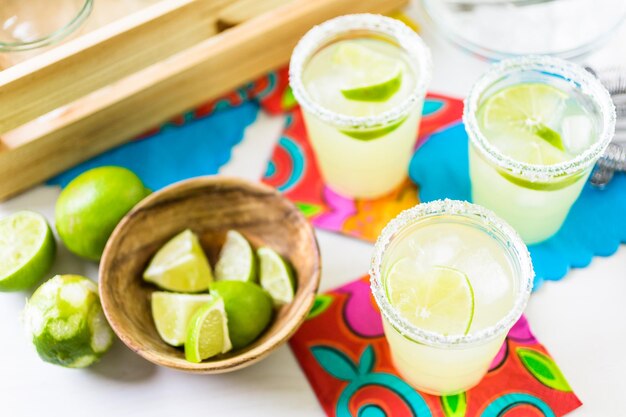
<point x="248" y="310"/>
<point x="65" y="322"/>
<point x="92" y="205"/>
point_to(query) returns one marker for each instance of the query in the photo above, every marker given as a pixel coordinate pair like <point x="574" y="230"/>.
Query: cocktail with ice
<point x="450" y="279"/>
<point x="537" y="125"/>
<point x="361" y="81"/>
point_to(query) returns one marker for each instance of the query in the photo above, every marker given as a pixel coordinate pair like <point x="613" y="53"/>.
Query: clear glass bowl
<point x="32" y="24"/>
<point x="498" y="29"/>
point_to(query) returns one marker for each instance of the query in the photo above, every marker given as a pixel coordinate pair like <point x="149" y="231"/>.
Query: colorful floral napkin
<point x="342" y="351"/>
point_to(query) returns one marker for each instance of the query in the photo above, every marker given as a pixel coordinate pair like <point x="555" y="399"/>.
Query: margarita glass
<point x="361" y="81"/>
<point x="450" y="279"/>
<point x="537" y="126"/>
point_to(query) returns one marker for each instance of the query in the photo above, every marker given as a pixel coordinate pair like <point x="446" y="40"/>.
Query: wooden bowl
<point x="210" y="206"/>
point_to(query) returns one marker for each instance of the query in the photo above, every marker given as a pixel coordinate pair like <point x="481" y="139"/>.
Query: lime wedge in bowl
<point x="276" y="276"/>
<point x="375" y="77"/>
<point x="237" y="261"/>
<point x="172" y="313"/>
<point x="440" y="299"/>
<point x="27" y="250"/>
<point x="180" y="265"/>
<point x="207" y="332"/>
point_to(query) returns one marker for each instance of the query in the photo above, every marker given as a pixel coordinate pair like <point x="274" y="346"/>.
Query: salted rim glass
<point x="83" y="12"/>
<point x="575" y="75"/>
<point x="476" y="216"/>
<point x="360" y="25"/>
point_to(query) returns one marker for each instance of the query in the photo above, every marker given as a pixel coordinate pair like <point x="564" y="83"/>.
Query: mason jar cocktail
<point x="360" y="81"/>
<point x="537" y="126"/>
<point x="450" y="279"/>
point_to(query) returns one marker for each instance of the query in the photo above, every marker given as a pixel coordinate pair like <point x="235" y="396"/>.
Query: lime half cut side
<point x="172" y="313"/>
<point x="440" y="299"/>
<point x="207" y="332"/>
<point x="27" y="250"/>
<point x="525" y="112"/>
<point x="180" y="265"/>
<point x="375" y="77"/>
<point x="237" y="261"/>
<point x="276" y="276"/>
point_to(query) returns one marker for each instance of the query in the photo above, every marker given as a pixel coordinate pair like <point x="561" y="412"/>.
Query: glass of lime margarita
<point x="361" y="81"/>
<point x="537" y="126"/>
<point x="450" y="279"/>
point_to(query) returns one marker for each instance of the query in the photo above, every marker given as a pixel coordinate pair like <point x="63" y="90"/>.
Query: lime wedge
<point x="172" y="313"/>
<point x="374" y="77"/>
<point x="276" y="276"/>
<point x="440" y="299"/>
<point x="27" y="250"/>
<point x="374" y="133"/>
<point x="523" y="111"/>
<point x="180" y="265"/>
<point x="237" y="261"/>
<point x="207" y="333"/>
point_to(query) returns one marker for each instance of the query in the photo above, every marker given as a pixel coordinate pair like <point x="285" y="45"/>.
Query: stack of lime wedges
<point x="235" y="311"/>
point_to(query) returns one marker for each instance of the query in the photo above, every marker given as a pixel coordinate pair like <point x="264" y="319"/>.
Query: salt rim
<point x="410" y="41"/>
<point x="54" y="36"/>
<point x="575" y="75"/>
<point x="478" y="214"/>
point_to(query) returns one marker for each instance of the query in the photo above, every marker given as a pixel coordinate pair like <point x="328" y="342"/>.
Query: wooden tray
<point x="92" y="93"/>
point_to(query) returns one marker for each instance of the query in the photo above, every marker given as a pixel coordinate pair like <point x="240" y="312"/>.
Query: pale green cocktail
<point x="450" y="279"/>
<point x="361" y="82"/>
<point x="537" y="126"/>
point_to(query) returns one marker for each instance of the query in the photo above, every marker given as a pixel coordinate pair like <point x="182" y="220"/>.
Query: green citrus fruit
<point x="172" y="312"/>
<point x="27" y="249"/>
<point x="65" y="322"/>
<point x="237" y="260"/>
<point x="180" y="265"/>
<point x="90" y="207"/>
<point x="440" y="300"/>
<point x="276" y="276"/>
<point x="207" y="332"/>
<point x="249" y="310"/>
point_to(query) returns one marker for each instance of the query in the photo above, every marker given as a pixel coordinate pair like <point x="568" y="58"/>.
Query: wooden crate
<point x="101" y="89"/>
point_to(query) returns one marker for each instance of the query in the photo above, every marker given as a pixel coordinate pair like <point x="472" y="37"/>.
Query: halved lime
<point x="172" y="313"/>
<point x="207" y="333"/>
<point x="524" y="112"/>
<point x="180" y="265"/>
<point x="27" y="250"/>
<point x="237" y="261"/>
<point x="276" y="276"/>
<point x="374" y="76"/>
<point x="65" y="322"/>
<point x="248" y="307"/>
<point x="440" y="299"/>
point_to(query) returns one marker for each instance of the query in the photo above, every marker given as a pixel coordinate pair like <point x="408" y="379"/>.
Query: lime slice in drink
<point x="207" y="333"/>
<point x="523" y="112"/>
<point x="276" y="276"/>
<point x="180" y="265"/>
<point x="373" y="133"/>
<point x="440" y="299"/>
<point x="237" y="261"/>
<point x="27" y="249"/>
<point x="65" y="322"/>
<point x="249" y="309"/>
<point x="172" y="313"/>
<point x="374" y="77"/>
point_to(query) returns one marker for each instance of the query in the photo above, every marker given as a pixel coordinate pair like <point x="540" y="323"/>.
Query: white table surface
<point x="581" y="320"/>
